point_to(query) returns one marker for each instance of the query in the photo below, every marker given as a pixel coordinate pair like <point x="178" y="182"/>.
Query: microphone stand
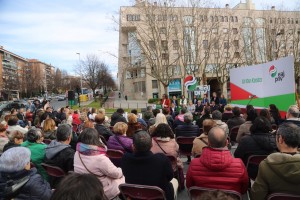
<point x="251" y="97"/>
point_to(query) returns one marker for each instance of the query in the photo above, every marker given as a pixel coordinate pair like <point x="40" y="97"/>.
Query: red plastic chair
<point x="115" y="156"/>
<point x="47" y="141"/>
<point x="196" y="192"/>
<point x="283" y="196"/>
<point x="233" y="133"/>
<point x="185" y="145"/>
<point x="53" y="170"/>
<point x="254" y="160"/>
<point x="141" y="192"/>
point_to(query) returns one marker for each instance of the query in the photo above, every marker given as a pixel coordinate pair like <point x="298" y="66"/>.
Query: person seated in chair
<point x="145" y="168"/>
<point x="279" y="172"/>
<point x="59" y="153"/>
<point x="216" y="168"/>
<point x="236" y="120"/>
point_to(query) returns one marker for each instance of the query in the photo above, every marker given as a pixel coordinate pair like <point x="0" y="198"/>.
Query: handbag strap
<point x="160" y="146"/>
<point x="121" y="143"/>
<point x="87" y="168"/>
<point x="204" y="141"/>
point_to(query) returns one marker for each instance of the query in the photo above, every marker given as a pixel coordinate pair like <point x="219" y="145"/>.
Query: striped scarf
<point x="89" y="150"/>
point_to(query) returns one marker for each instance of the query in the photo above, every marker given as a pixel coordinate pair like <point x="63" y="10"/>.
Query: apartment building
<point x="161" y="43"/>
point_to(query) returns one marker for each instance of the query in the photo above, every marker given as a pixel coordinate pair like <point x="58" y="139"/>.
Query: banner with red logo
<point x="264" y="84"/>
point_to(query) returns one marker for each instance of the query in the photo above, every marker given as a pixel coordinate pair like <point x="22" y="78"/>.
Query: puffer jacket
<point x="278" y="173"/>
<point x="216" y="168"/>
<point x="255" y="144"/>
<point x="35" y="189"/>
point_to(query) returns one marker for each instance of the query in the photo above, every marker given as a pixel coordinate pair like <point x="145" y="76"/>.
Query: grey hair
<point x="142" y="141"/>
<point x="188" y="117"/>
<point x="217" y="115"/>
<point x="294" y="111"/>
<point x="14" y="159"/>
<point x="63" y="132"/>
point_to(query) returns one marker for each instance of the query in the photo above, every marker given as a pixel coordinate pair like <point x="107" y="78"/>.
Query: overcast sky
<point x="53" y="31"/>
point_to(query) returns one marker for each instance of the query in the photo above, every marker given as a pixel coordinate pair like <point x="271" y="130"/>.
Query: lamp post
<point x="80" y="73"/>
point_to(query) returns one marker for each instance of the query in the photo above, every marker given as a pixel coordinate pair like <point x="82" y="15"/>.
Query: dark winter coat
<point x="102" y="130"/>
<point x="117" y="117"/>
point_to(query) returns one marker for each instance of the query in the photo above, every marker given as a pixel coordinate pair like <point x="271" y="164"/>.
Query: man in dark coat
<point x="102" y="130"/>
<point x="236" y="120"/>
<point x="59" y="153"/>
<point x="117" y="117"/>
<point x="158" y="167"/>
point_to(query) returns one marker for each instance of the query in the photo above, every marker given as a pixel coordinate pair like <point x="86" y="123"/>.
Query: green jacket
<point x="279" y="172"/>
<point x="37" y="156"/>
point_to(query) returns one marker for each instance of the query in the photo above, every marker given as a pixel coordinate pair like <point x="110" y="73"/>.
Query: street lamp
<point x="80" y="73"/>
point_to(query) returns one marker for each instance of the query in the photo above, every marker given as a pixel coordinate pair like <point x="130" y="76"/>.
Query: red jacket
<point x="217" y="169"/>
<point x="165" y="103"/>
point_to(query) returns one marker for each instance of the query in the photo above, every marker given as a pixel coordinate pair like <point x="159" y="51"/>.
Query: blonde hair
<point x="120" y="128"/>
<point x="132" y="118"/>
<point x="160" y="119"/>
<point x="101" y="111"/>
<point x="49" y="125"/>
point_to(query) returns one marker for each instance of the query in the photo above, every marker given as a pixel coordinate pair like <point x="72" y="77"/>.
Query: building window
<point x="204" y="30"/>
<point x="165" y="56"/>
<point x="154" y="84"/>
<point x="163" y="30"/>
<point x="231" y="19"/>
<point x="236" y="55"/>
<point x="226" y="54"/>
<point x="173" y="18"/>
<point x="216" y="19"/>
<point x="221" y="18"/>
<point x="236" y="44"/>
<point x="271" y="21"/>
<point x="162" y="17"/>
<point x="164" y="45"/>
<point x="215" y="31"/>
<point x="216" y="45"/>
<point x="288" y="20"/>
<point x="292" y="21"/>
<point x="211" y="18"/>
<point x="133" y="17"/>
<point x="225" y="30"/>
<point x="226" y="19"/>
<point x="216" y="54"/>
<point x="205" y="44"/>
<point x="206" y="54"/>
<point x="140" y="86"/>
<point x="296" y="21"/>
<point x="175" y="44"/>
<point x="236" y="19"/>
<point x="152" y="44"/>
<point x="283" y="21"/>
<point x="234" y="31"/>
<point x="226" y="44"/>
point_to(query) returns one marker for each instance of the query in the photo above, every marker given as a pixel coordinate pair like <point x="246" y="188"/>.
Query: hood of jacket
<point x="54" y="148"/>
<point x="216" y="159"/>
<point x="285" y="165"/>
<point x="180" y="117"/>
<point x="265" y="141"/>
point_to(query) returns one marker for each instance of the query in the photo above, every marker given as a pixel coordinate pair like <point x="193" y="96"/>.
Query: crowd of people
<point x="77" y="142"/>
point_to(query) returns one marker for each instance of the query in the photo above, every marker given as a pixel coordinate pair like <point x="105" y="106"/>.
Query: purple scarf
<point x="90" y="150"/>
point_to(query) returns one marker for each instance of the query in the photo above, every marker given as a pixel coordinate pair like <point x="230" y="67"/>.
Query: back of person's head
<point x="94" y="110"/>
<point x="207" y="125"/>
<point x="159" y="119"/>
<point x="228" y="108"/>
<point x="163" y="131"/>
<point x="132" y="118"/>
<point x="293" y="111"/>
<point x="251" y="115"/>
<point x="63" y="132"/>
<point x="249" y="107"/>
<point x="62" y="110"/>
<point x="88" y="124"/>
<point x="165" y="111"/>
<point x="149" y="108"/>
<point x="15" y="135"/>
<point x="273" y="107"/>
<point x="207" y="110"/>
<point x="2" y="128"/>
<point x="134" y="111"/>
<point x="236" y="111"/>
<point x="142" y="141"/>
<point x="101" y="110"/>
<point x="155" y="112"/>
<point x="290" y="134"/>
<point x="78" y="187"/>
<point x="183" y="110"/>
<point x="265" y="113"/>
<point x="188" y="117"/>
<point x="49" y="125"/>
<point x="216" y="115"/>
<point x="12" y="120"/>
<point x="34" y="134"/>
<point x="90" y="136"/>
<point x="261" y="125"/>
<point x="217" y="138"/>
<point x="99" y="118"/>
<point x="14" y="159"/>
<point x="216" y="195"/>
<point x="120" y="128"/>
<point x="120" y="111"/>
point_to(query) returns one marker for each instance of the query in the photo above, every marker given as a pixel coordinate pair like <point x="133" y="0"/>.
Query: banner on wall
<point x="174" y="85"/>
<point x="264" y="84"/>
